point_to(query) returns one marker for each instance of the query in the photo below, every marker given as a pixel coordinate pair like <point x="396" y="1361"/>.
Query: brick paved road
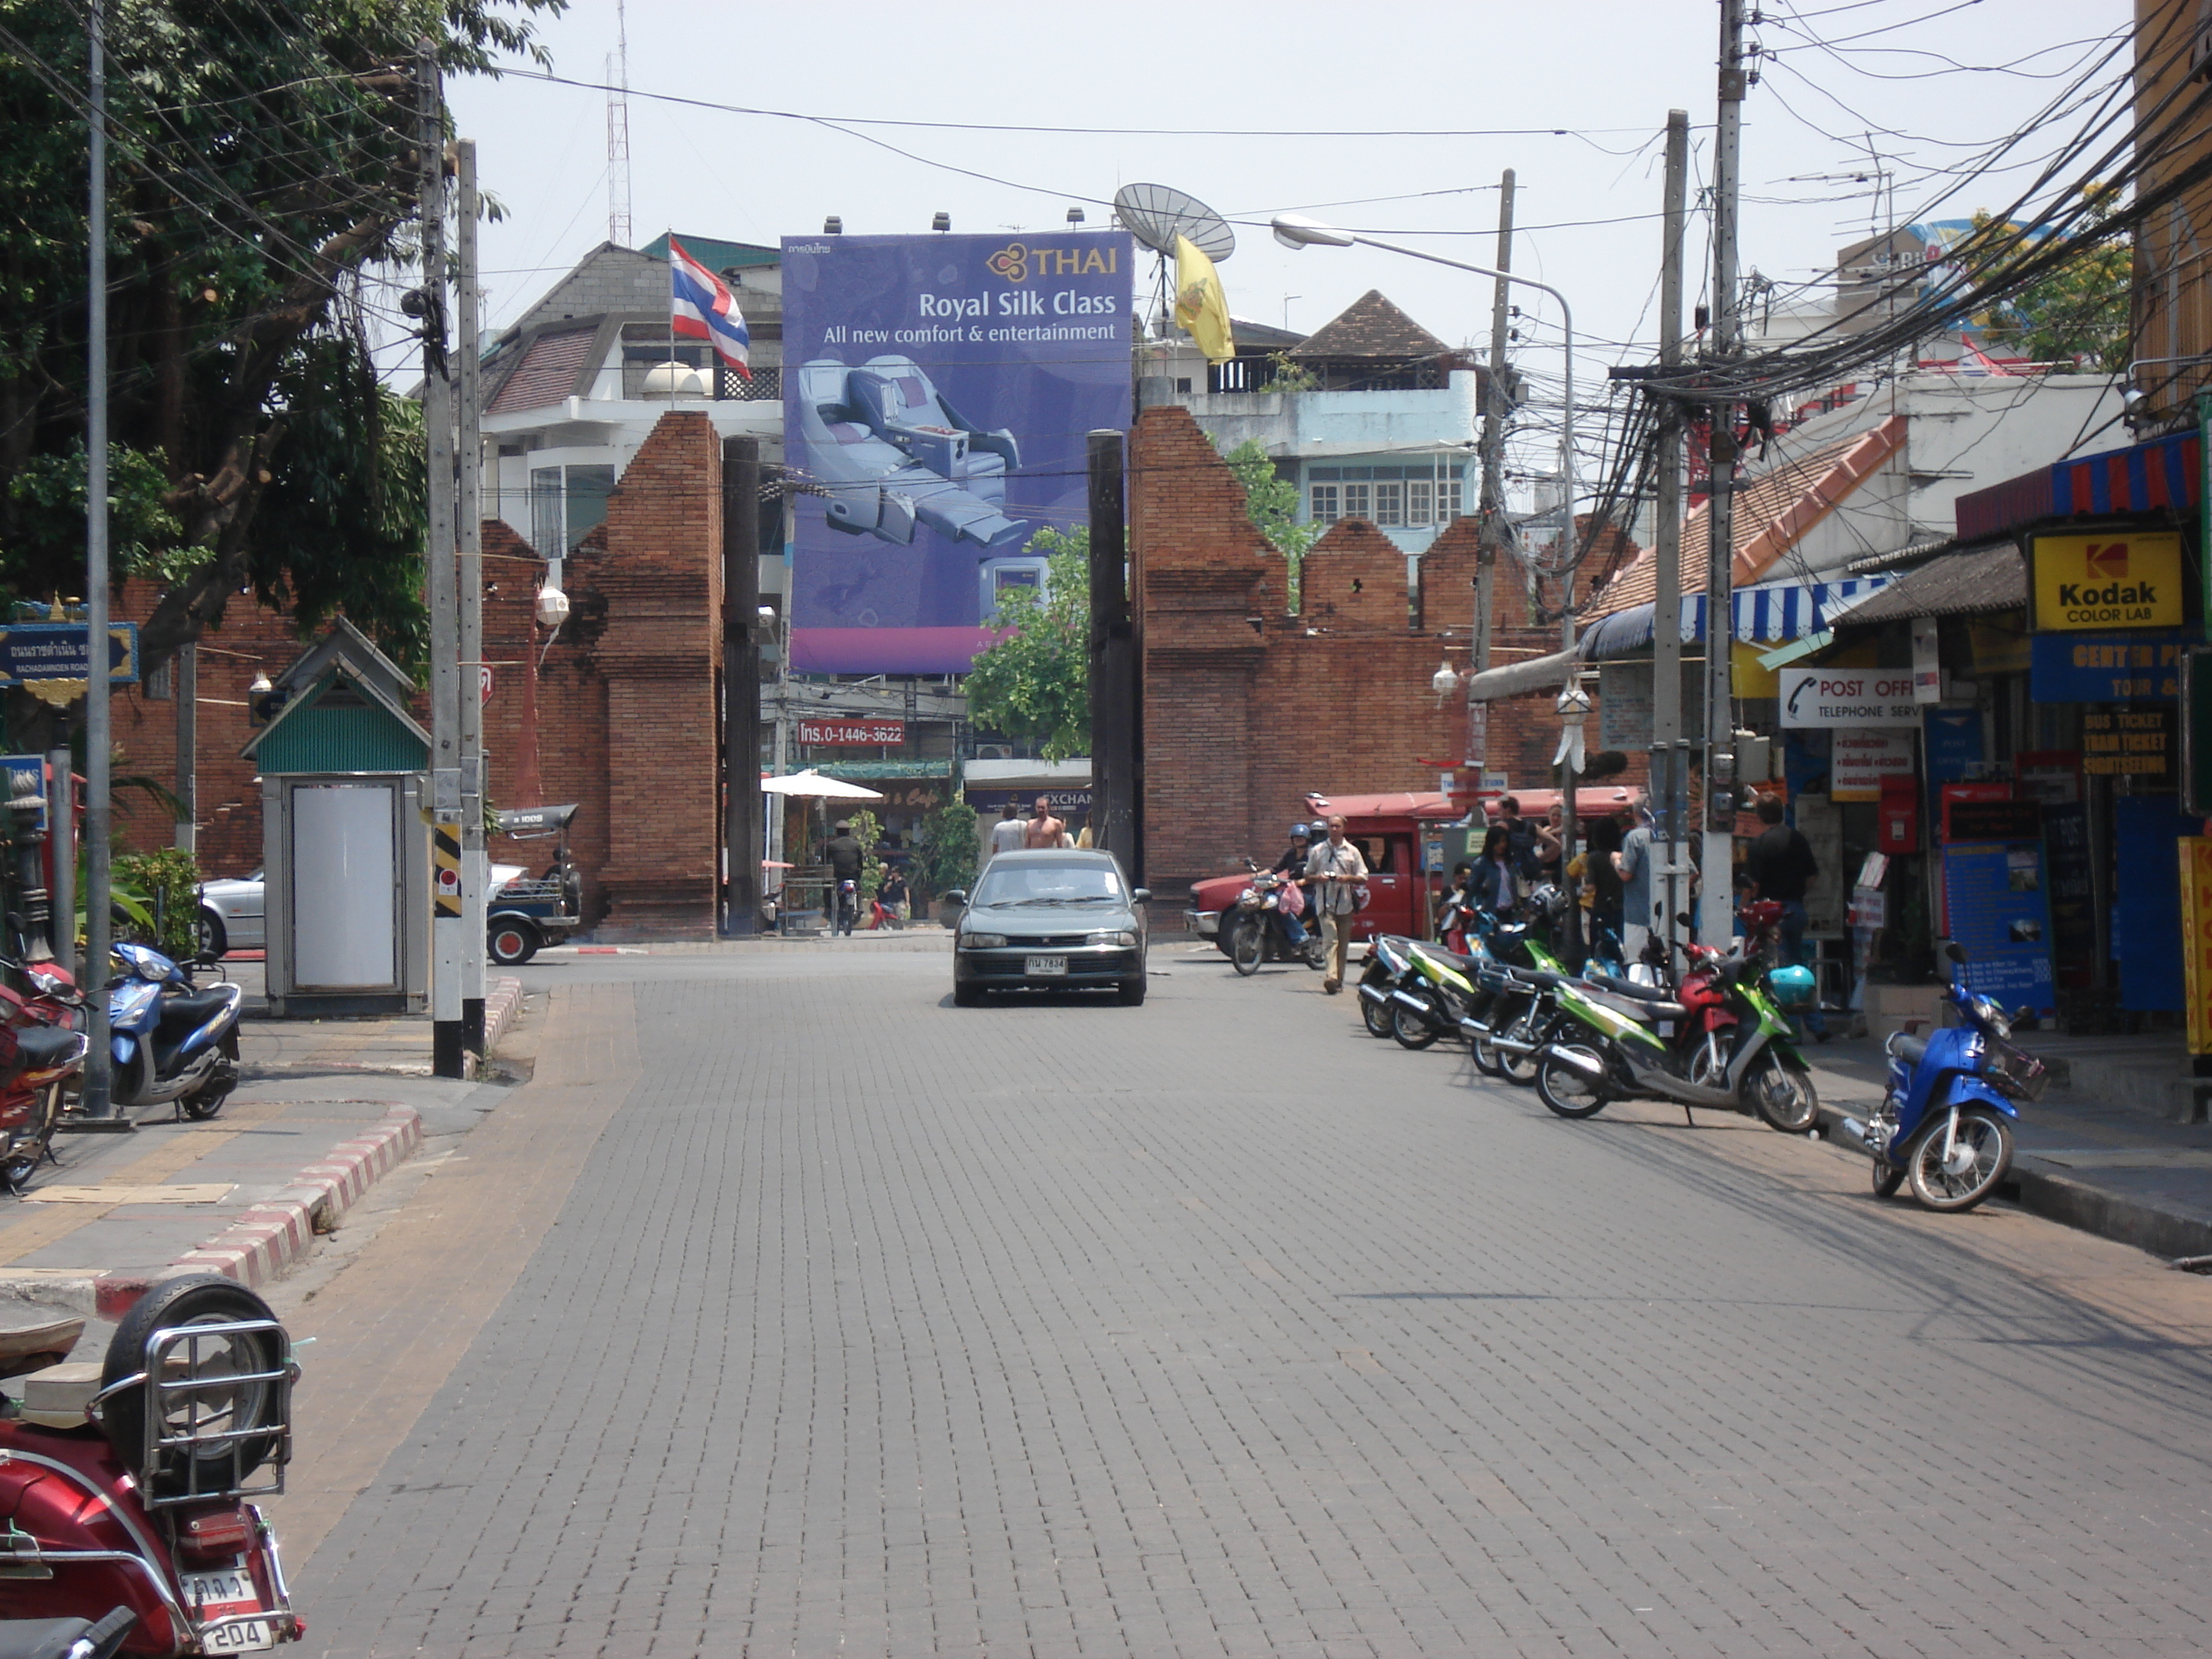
<point x="1215" y="1326"/>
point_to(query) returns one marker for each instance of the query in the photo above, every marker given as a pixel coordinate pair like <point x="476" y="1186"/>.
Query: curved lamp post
<point x="1295" y="231"/>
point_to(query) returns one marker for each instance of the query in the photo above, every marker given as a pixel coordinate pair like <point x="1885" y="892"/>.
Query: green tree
<point x="948" y="848"/>
<point x="2079" y="310"/>
<point x="1036" y="681"/>
<point x="1272" y="504"/>
<point x="868" y="830"/>
<point x="261" y="158"/>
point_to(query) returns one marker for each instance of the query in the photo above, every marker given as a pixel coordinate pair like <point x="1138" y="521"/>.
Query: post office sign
<point x="2112" y="580"/>
<point x="1829" y="697"/>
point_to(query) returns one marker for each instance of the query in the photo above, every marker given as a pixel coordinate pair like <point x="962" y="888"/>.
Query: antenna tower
<point x="618" y="131"/>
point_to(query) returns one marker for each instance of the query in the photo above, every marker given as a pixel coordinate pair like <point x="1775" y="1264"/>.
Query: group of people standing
<point x="1013" y="833"/>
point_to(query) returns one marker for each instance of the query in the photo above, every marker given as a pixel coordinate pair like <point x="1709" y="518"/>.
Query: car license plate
<point x="1045" y="966"/>
<point x="220" y="1594"/>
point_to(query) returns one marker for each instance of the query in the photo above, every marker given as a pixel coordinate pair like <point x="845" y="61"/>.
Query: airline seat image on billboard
<point x="938" y="391"/>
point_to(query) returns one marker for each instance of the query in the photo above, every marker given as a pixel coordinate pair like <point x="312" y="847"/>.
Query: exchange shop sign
<point x="1830" y="697"/>
<point x="2083" y="582"/>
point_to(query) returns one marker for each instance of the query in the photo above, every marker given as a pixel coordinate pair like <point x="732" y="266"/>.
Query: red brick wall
<point x="625" y="701"/>
<point x="1241" y="721"/>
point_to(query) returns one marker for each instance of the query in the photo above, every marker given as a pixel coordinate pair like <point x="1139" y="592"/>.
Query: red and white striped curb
<point x="280" y="1229"/>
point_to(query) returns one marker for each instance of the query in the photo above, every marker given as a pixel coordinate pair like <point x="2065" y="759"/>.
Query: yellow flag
<point x="1200" y="305"/>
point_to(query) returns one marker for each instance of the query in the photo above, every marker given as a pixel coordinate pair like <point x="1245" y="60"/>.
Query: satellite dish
<point x="1156" y="213"/>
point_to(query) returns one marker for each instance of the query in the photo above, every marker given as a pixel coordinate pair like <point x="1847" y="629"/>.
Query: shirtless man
<point x="1044" y="831"/>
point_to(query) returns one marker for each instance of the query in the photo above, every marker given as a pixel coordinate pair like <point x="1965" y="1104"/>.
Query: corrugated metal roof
<point x="547" y="374"/>
<point x="1956" y="585"/>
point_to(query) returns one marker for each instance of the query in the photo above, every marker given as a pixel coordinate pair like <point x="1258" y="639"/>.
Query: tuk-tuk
<point x="531" y="911"/>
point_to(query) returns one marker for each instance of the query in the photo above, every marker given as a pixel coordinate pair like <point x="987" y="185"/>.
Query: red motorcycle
<point x="40" y="1050"/>
<point x="126" y="1486"/>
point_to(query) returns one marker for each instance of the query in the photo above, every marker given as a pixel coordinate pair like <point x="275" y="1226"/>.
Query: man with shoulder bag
<point x="1336" y="871"/>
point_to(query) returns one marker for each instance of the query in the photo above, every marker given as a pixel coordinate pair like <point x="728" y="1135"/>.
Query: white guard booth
<point x="346" y="853"/>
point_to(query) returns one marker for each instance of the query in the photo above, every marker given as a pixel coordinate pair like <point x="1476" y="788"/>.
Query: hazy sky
<point x="1878" y="75"/>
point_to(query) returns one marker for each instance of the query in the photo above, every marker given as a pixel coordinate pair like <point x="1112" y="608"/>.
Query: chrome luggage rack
<point x="182" y="1386"/>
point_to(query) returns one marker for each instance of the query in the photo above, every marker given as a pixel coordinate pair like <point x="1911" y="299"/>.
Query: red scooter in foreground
<point x="123" y="1487"/>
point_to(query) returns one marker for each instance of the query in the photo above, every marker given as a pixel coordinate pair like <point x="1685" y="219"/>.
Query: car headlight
<point x="1124" y="938"/>
<point x="982" y="941"/>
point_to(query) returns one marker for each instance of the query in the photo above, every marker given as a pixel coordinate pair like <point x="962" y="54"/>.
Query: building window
<point x="1357" y="497"/>
<point x="1389" y="503"/>
<point x="1327" y="504"/>
<point x="566" y="505"/>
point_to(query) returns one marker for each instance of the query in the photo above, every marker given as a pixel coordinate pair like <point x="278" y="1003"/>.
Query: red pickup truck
<point x="1391" y="831"/>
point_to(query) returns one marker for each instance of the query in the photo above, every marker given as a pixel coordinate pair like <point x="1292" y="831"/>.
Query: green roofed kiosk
<point x="346" y="853"/>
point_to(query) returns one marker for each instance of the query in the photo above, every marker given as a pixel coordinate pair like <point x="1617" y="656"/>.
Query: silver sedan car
<point x="231" y="911"/>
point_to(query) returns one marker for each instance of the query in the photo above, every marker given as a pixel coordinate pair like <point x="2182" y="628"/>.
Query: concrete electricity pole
<point x="1716" y="912"/>
<point x="429" y="303"/>
<point x="1491" y="504"/>
<point x="476" y="868"/>
<point x="1670" y="755"/>
<point x="98" y="1100"/>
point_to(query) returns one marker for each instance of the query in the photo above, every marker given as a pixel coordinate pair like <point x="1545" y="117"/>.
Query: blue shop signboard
<point x="31" y="652"/>
<point x="2139" y="667"/>
<point x="1996" y="898"/>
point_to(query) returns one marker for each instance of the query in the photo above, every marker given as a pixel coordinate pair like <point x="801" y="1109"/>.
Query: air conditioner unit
<point x="994" y="751"/>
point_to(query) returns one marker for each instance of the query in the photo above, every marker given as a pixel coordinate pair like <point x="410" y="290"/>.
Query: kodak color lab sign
<point x="2113" y="581"/>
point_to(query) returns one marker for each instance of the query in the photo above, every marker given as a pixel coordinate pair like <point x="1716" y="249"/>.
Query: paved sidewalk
<point x="2091" y="1156"/>
<point x="325" y="1107"/>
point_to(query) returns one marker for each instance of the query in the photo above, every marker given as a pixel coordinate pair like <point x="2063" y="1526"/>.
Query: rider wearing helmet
<point x="1291" y="867"/>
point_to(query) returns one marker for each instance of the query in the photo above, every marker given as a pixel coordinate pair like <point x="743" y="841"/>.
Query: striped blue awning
<point x="1770" y="612"/>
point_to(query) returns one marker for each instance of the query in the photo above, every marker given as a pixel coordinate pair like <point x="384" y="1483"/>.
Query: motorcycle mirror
<point x="1683" y="919"/>
<point x="1955" y="951"/>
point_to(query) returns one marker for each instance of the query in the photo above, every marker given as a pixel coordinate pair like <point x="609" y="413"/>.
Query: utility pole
<point x="741" y="699"/>
<point x="1670" y="755"/>
<point x="447" y="921"/>
<point x="98" y="1104"/>
<point x="476" y="864"/>
<point x="1491" y="503"/>
<point x="1114" y="712"/>
<point x="1716" y="912"/>
<point x="185" y="683"/>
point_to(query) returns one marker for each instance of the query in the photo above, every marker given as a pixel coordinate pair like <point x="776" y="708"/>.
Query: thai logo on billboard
<point x="938" y="391"/>
<point x="2111" y="580"/>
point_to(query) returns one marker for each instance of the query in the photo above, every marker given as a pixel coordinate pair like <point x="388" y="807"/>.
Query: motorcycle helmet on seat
<point x="1793" y="987"/>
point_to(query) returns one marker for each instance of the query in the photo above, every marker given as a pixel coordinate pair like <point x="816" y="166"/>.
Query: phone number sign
<point x="851" y="734"/>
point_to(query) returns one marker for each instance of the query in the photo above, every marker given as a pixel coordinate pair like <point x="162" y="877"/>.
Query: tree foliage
<point x="2079" y="311"/>
<point x="947" y="852"/>
<point x="1036" y="681"/>
<point x="1272" y="503"/>
<point x="260" y="157"/>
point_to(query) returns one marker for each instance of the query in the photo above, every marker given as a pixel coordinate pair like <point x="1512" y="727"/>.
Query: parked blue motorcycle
<point x="1945" y="1123"/>
<point x="171" y="1039"/>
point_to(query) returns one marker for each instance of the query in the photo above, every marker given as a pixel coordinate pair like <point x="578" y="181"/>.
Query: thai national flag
<point x="701" y="309"/>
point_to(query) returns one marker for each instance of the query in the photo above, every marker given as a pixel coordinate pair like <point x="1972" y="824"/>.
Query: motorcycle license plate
<point x="220" y="1594"/>
<point x="1045" y="966"/>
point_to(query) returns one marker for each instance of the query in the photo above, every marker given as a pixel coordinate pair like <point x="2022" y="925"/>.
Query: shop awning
<point x="870" y="771"/>
<point x="2163" y="473"/>
<point x="1768" y="613"/>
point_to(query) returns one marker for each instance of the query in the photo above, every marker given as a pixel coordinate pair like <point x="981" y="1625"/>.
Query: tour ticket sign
<point x="2110" y="580"/>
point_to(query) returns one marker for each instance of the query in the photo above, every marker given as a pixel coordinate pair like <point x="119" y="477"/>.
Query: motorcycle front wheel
<point x="1782" y="1096"/>
<point x="1979" y="1155"/>
<point x="1521" y="1068"/>
<point x="1413" y="1030"/>
<point x="1887" y="1178"/>
<point x="1568" y="1092"/>
<point x="1246" y="947"/>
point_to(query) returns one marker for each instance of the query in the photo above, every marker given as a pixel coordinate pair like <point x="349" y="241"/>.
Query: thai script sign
<point x="1859" y="760"/>
<point x="2081" y="582"/>
<point x="55" y="651"/>
<point x="1815" y="697"/>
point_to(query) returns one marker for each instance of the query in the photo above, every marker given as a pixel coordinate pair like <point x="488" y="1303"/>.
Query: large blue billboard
<point x="937" y="393"/>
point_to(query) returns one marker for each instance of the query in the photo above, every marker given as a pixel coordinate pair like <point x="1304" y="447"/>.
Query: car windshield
<point x="1047" y="884"/>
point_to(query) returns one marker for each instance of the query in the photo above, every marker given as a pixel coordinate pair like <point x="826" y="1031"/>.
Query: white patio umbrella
<point x="810" y="784"/>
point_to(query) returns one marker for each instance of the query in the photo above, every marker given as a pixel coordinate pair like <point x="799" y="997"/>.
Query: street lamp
<point x="1294" y="231"/>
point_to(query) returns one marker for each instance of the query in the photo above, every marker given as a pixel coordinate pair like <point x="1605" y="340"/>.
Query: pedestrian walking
<point x="1044" y="829"/>
<point x="1632" y="863"/>
<point x="1007" y="833"/>
<point x="1780" y="866"/>
<point x="1336" y="869"/>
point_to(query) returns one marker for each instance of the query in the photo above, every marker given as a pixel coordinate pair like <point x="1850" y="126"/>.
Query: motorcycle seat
<point x="196" y="1008"/>
<point x="39" y="1047"/>
<point x="1540" y="979"/>
<point x="40" y="1638"/>
<point x="1629" y="988"/>
<point x="1639" y="1008"/>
